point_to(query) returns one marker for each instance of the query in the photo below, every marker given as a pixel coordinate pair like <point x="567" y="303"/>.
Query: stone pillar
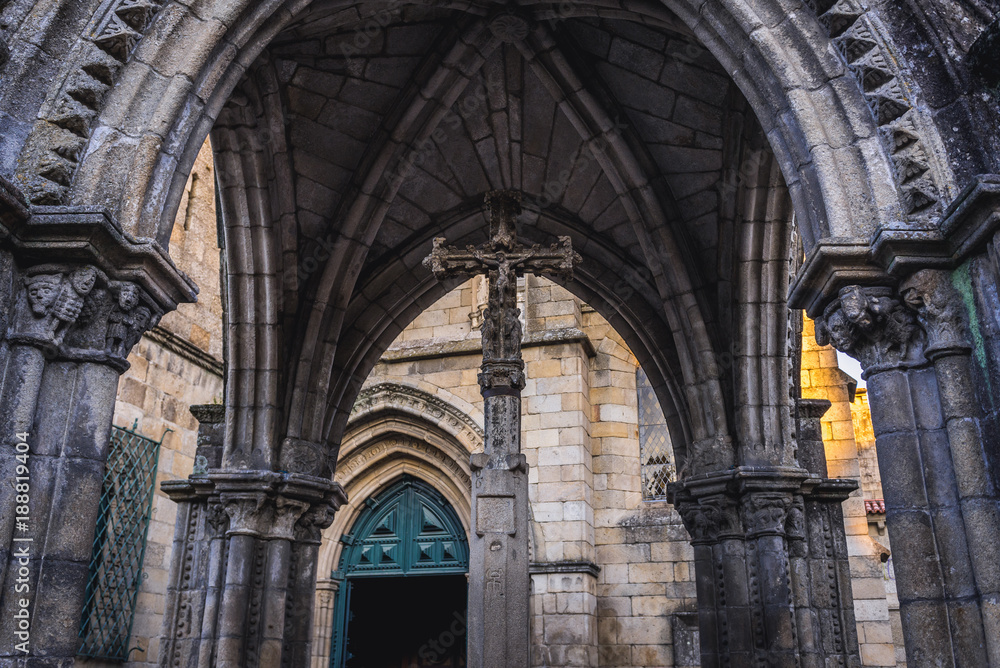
<point x="243" y="578"/>
<point x="78" y="294"/>
<point x="498" y="550"/>
<point x="939" y="307"/>
<point x="771" y="563"/>
<point x="326" y="599"/>
<point x="940" y="604"/>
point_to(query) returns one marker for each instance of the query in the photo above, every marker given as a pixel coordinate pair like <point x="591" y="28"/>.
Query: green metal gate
<point x="119" y="544"/>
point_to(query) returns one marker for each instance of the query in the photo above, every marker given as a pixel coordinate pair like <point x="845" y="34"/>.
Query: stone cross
<point x="498" y="568"/>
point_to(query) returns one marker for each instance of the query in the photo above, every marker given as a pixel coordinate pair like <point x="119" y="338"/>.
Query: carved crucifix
<point x="498" y="568"/>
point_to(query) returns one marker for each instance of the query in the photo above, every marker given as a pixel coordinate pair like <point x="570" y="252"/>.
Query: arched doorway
<point x="402" y="601"/>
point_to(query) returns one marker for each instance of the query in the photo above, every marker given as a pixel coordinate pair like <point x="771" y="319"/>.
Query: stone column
<point x="78" y="294"/>
<point x="243" y="578"/>
<point x="940" y="310"/>
<point x="939" y="602"/>
<point x="498" y="550"/>
<point x="326" y="599"/>
<point x="771" y="567"/>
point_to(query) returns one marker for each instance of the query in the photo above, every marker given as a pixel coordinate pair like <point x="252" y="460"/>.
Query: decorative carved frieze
<point x="874" y="327"/>
<point x="867" y="49"/>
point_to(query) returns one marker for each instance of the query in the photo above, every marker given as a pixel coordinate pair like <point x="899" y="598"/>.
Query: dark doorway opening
<point x="407" y="622"/>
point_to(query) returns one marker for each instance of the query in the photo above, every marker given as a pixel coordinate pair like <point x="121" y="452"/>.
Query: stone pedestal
<point x="771" y="562"/>
<point x="76" y="295"/>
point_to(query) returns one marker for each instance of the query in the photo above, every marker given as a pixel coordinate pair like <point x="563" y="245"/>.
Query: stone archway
<point x="819" y="115"/>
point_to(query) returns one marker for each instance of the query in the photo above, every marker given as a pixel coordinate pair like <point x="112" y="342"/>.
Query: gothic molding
<point x="418" y="402"/>
<point x="907" y="136"/>
<point x="364" y="457"/>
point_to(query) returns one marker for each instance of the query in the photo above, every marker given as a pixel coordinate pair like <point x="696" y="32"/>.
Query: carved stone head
<point x="128" y="296"/>
<point x="854" y="305"/>
<point x="838" y="329"/>
<point x="83" y="280"/>
<point x="42" y="291"/>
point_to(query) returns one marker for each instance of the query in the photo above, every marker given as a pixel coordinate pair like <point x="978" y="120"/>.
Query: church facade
<point x="240" y="412"/>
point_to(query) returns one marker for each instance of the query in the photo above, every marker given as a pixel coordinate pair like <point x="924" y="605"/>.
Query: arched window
<point x="655" y="453"/>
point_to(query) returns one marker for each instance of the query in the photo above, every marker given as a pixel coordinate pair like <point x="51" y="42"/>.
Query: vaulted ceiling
<point x="383" y="128"/>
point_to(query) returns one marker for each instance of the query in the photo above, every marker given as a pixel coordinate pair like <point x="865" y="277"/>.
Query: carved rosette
<point x="74" y="312"/>
<point x="938" y="305"/>
<point x="872" y="326"/>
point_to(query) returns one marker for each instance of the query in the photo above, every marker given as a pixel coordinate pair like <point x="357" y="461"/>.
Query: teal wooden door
<point x="407" y="530"/>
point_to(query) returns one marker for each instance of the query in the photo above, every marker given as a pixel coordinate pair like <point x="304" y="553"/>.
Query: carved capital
<point x="765" y="513"/>
<point x="287" y="513"/>
<point x="711" y="518"/>
<point x="249" y="514"/>
<point x="872" y="326"/>
<point x="502" y="375"/>
<point x="216" y="518"/>
<point x="73" y="311"/>
<point x="939" y="308"/>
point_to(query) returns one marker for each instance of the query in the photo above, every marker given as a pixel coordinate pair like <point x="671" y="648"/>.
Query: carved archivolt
<point x="417" y="402"/>
<point x="366" y="455"/>
<point x="59" y="137"/>
<point x="870" y="57"/>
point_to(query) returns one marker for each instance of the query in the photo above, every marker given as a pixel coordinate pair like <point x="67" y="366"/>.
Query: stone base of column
<point x="773" y="578"/>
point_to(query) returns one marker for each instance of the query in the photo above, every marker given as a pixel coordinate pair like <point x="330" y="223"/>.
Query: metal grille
<point x="119" y="544"/>
<point x="655" y="453"/>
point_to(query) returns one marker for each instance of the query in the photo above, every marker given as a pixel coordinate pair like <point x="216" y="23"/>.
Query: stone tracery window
<point x="655" y="451"/>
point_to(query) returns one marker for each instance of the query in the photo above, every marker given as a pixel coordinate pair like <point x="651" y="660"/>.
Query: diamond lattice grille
<point x="655" y="451"/>
<point x="119" y="545"/>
